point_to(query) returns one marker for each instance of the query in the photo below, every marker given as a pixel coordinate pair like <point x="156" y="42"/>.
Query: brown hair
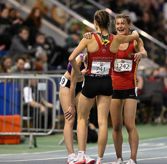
<point x="102" y="18"/>
<point x="37" y="20"/>
<point x="123" y="16"/>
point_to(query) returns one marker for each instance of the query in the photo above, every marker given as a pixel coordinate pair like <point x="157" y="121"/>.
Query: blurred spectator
<point x="42" y="44"/>
<point x="59" y="16"/>
<point x="41" y="5"/>
<point x="28" y="63"/>
<point x="20" y="44"/>
<point x="34" y="22"/>
<point x="5" y="22"/>
<point x="36" y="105"/>
<point x="118" y="6"/>
<point x="152" y="95"/>
<point x="40" y="64"/>
<point x="19" y="66"/>
<point x="16" y="21"/>
<point x="5" y="25"/>
<point x="6" y="64"/>
<point x="146" y="22"/>
<point x="5" y="42"/>
<point x="84" y="8"/>
<point x="75" y="31"/>
<point x="30" y="96"/>
<point x="55" y="54"/>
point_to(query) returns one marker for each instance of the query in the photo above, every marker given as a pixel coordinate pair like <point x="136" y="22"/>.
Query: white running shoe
<point x="89" y="160"/>
<point x="71" y="158"/>
<point x="118" y="161"/>
<point x="78" y="161"/>
<point x="98" y="162"/>
<point x="131" y="161"/>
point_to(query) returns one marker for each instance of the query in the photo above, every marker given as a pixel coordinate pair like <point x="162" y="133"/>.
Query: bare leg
<point x="129" y="120"/>
<point x="83" y="110"/>
<point x="68" y="127"/>
<point x="103" y="106"/>
<point x="116" y="116"/>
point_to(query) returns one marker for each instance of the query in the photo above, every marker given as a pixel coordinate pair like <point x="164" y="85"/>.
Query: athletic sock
<point x="99" y="159"/>
<point x="81" y="154"/>
<point x="71" y="156"/>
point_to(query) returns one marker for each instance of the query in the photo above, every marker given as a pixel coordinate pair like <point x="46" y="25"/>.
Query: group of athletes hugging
<point x="106" y="75"/>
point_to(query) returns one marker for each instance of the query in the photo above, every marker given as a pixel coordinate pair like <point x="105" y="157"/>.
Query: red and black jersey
<point x="101" y="61"/>
<point x="124" y="69"/>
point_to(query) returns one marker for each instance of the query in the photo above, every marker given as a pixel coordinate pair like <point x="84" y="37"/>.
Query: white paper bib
<point x="63" y="81"/>
<point x="122" y="65"/>
<point x="100" y="67"/>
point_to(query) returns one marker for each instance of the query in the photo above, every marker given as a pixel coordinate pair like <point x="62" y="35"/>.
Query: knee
<point x="129" y="127"/>
<point x="117" y="127"/>
<point x="82" y="119"/>
<point x="69" y="123"/>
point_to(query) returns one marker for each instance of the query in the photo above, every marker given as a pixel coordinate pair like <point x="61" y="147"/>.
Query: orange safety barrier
<point x="10" y="123"/>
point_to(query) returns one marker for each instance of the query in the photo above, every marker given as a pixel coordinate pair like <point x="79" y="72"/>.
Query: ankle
<point x="99" y="158"/>
<point x="71" y="157"/>
<point x="81" y="154"/>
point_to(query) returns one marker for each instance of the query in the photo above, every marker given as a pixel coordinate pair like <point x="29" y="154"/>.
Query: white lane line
<point x="140" y="150"/>
<point x="89" y="148"/>
<point x="63" y="157"/>
<point x="28" y="160"/>
<point x="142" y="159"/>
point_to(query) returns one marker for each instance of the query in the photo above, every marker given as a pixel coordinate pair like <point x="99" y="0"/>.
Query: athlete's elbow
<point x="70" y="59"/>
<point x="145" y="54"/>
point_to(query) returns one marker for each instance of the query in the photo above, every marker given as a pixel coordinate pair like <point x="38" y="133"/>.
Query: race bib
<point x="122" y="65"/>
<point x="63" y="81"/>
<point x="100" y="68"/>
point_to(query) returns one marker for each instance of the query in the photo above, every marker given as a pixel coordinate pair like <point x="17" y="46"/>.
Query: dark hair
<point x="36" y="20"/>
<point x="23" y="28"/>
<point x="102" y="18"/>
<point x="3" y="60"/>
<point x="124" y="16"/>
<point x="20" y="58"/>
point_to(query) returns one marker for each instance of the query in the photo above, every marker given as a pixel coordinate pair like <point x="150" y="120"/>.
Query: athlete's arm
<point x="141" y="52"/>
<point x="119" y="39"/>
<point x="71" y="110"/>
<point x="74" y="81"/>
<point x="82" y="45"/>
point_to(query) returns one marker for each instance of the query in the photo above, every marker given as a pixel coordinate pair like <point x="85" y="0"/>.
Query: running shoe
<point x="79" y="161"/>
<point x="98" y="162"/>
<point x="71" y="158"/>
<point x="118" y="161"/>
<point x="70" y="161"/>
<point x="131" y="161"/>
<point x="89" y="160"/>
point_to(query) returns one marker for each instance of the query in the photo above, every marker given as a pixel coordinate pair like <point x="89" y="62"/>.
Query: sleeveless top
<point x="125" y="69"/>
<point x="101" y="61"/>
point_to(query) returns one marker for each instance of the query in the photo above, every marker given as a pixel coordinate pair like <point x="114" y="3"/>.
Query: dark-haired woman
<point x="34" y="22"/>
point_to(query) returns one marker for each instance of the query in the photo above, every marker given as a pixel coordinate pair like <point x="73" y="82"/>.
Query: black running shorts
<point x="97" y="85"/>
<point x="125" y="94"/>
